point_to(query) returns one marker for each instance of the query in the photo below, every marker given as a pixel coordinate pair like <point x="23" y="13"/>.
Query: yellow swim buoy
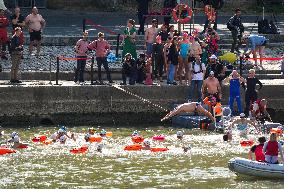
<point x="230" y="57"/>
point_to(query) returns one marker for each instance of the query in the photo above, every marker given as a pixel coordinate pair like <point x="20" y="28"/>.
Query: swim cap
<point x="87" y="136"/>
<point x="63" y="128"/>
<point x="61" y="131"/>
<point x="103" y="132"/>
<point x="179" y="133"/>
<point x="14" y="134"/>
<point x="147" y="142"/>
<point x="16" y="138"/>
<point x="135" y="133"/>
<point x="100" y="147"/>
<point x="242" y="115"/>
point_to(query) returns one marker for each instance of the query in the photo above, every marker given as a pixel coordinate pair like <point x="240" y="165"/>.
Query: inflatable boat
<point x="248" y="167"/>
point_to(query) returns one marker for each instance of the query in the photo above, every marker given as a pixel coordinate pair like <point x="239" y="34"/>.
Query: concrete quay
<point x="39" y="103"/>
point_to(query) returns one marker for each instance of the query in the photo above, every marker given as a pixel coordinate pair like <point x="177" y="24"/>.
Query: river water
<point x="53" y="166"/>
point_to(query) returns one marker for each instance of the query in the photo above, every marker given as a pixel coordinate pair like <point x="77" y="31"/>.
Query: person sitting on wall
<point x="141" y="68"/>
<point x="259" y="111"/>
<point x="129" y="69"/>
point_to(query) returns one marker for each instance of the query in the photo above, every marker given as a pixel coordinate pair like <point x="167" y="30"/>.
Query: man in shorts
<point x="35" y="24"/>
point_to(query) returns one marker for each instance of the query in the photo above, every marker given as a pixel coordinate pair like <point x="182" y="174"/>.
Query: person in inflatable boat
<point x="257" y="150"/>
<point x="272" y="149"/>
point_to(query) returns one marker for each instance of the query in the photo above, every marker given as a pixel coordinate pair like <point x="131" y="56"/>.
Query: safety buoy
<point x="95" y="139"/>
<point x="80" y="150"/>
<point x="40" y="138"/>
<point x="178" y="11"/>
<point x="137" y="139"/>
<point x="276" y="130"/>
<point x="246" y="143"/>
<point x="159" y="149"/>
<point x="159" y="137"/>
<point x="134" y="147"/>
<point x="109" y="134"/>
<point x="210" y="13"/>
<point x="6" y="151"/>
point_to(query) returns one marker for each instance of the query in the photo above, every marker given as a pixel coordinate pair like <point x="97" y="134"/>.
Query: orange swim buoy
<point x="6" y="151"/>
<point x="134" y="147"/>
<point x="159" y="149"/>
<point x="276" y="130"/>
<point x="47" y="142"/>
<point x="81" y="150"/>
<point x="180" y="8"/>
<point x="22" y="146"/>
<point x="246" y="143"/>
<point x="95" y="139"/>
<point x="109" y="134"/>
<point x="137" y="139"/>
<point x="40" y="138"/>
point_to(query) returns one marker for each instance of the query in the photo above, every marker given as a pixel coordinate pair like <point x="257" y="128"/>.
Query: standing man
<point x="150" y="37"/>
<point x="16" y="53"/>
<point x="35" y="24"/>
<point x="211" y="86"/>
<point x="216" y="4"/>
<point x="198" y="70"/>
<point x="102" y="48"/>
<point x="142" y="9"/>
<point x="4" y="22"/>
<point x="81" y="49"/>
<point x="237" y="29"/>
<point x="251" y="92"/>
<point x="18" y="20"/>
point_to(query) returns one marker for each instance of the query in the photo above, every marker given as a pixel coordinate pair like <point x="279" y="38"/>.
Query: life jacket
<point x="272" y="148"/>
<point x="218" y="105"/>
<point x="259" y="156"/>
<point x="260" y="109"/>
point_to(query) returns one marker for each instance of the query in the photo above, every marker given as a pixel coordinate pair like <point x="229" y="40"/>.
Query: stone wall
<point x="83" y="105"/>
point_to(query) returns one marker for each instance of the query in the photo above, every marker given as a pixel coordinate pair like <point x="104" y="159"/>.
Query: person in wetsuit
<point x="187" y="108"/>
<point x="251" y="92"/>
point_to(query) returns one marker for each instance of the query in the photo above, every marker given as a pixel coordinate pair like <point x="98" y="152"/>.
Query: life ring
<point x="81" y="150"/>
<point x="134" y="147"/>
<point x="246" y="143"/>
<point x="95" y="139"/>
<point x="178" y="9"/>
<point x="40" y="138"/>
<point x="137" y="139"/>
<point x="6" y="151"/>
<point x="210" y="13"/>
<point x="159" y="137"/>
<point x="159" y="149"/>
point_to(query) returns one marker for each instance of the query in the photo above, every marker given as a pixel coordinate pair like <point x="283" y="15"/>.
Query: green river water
<point x="53" y="166"/>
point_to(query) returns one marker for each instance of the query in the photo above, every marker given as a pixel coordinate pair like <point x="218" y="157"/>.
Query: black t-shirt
<point x="20" y="20"/>
<point x="251" y="84"/>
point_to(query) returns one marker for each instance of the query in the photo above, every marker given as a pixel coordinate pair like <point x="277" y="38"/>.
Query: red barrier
<point x="67" y="58"/>
<point x="265" y="58"/>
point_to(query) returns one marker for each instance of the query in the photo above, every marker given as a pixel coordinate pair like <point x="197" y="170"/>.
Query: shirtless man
<point x="150" y="37"/>
<point x="211" y="86"/>
<point x="188" y="108"/>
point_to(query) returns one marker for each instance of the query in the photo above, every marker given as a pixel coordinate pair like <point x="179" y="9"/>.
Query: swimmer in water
<point x="91" y="132"/>
<point x="100" y="148"/>
<point x="63" y="139"/>
<point x="180" y="135"/>
<point x="147" y="145"/>
<point x="62" y="131"/>
<point x="15" y="139"/>
<point x="135" y="133"/>
<point x="188" y="108"/>
<point x="103" y="133"/>
<point x="186" y="148"/>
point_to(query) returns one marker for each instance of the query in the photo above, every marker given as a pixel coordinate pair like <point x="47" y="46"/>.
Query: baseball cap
<point x="213" y="56"/>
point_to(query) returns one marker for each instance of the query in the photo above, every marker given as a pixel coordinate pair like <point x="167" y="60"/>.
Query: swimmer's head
<point x="135" y="133"/>
<point x="147" y="142"/>
<point x="100" y="147"/>
<point x="103" y="133"/>
<point x="225" y="137"/>
<point x="242" y="115"/>
<point x="179" y="134"/>
<point x="14" y="134"/>
<point x="61" y="131"/>
<point x="87" y="137"/>
<point x="91" y="131"/>
<point x="16" y="139"/>
<point x="186" y="148"/>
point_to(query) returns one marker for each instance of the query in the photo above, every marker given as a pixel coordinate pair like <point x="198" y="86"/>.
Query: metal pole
<point x="117" y="45"/>
<point x="92" y="71"/>
<point x="57" y="70"/>
<point x="50" y="59"/>
<point x="241" y="65"/>
<point x="84" y="24"/>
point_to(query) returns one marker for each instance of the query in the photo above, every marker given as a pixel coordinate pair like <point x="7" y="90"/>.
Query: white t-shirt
<point x="196" y="68"/>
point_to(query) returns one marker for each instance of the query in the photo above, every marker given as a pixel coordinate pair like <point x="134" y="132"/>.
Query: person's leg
<point x="234" y="36"/>
<point x="180" y="69"/>
<point x="13" y="59"/>
<point x="247" y="102"/>
<point x="186" y="68"/>
<point x="123" y="72"/>
<point x="171" y="74"/>
<point x="161" y="68"/>
<point x="239" y="43"/>
<point x="239" y="103"/>
<point x="231" y="102"/>
<point x="261" y="53"/>
<point x="31" y="45"/>
<point x="215" y="23"/>
<point x="199" y="86"/>
<point x="82" y="70"/>
<point x="99" y="64"/>
<point x="206" y="24"/>
<point x="38" y="46"/>
<point x="255" y="56"/>
<point x="105" y="64"/>
<point x="191" y="90"/>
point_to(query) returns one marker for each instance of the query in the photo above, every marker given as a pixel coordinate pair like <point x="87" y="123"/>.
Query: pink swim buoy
<point x="159" y="137"/>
